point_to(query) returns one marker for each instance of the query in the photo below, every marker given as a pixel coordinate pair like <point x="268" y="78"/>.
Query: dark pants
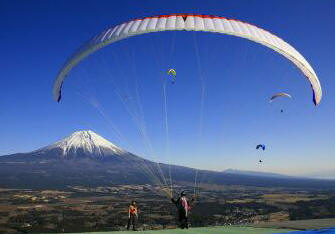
<point x="182" y="218"/>
<point x="132" y="221"/>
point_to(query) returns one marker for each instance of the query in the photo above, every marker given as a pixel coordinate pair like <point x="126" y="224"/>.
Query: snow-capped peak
<point x="85" y="142"/>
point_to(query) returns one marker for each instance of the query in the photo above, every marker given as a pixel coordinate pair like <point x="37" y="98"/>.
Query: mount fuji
<point x="83" y="143"/>
<point x="80" y="146"/>
<point x="83" y="158"/>
<point x="86" y="159"/>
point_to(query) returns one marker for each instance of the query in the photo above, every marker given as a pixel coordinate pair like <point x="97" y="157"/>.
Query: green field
<point x="299" y="224"/>
<point x="209" y="230"/>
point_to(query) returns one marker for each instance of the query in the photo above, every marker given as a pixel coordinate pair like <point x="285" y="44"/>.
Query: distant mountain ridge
<point x="87" y="159"/>
<point x="257" y="173"/>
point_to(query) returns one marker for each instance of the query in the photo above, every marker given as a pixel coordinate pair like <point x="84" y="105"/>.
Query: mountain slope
<point x="79" y="146"/>
<point x="85" y="158"/>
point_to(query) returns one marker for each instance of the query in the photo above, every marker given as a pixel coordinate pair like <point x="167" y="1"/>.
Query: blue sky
<point x="238" y="77"/>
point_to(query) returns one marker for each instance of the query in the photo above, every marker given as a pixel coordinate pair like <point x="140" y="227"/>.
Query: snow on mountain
<point x="87" y="142"/>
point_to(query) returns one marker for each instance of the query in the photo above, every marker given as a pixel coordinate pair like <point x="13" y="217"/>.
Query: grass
<point x="299" y="224"/>
<point x="207" y="230"/>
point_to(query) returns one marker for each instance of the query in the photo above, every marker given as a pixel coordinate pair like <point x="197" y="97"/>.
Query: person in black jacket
<point x="183" y="207"/>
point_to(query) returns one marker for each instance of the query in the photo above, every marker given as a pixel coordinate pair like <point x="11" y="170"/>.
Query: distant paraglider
<point x="260" y="146"/>
<point x="172" y="73"/>
<point x="277" y="95"/>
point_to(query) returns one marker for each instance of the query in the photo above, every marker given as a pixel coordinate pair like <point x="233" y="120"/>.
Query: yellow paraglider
<point x="172" y="73"/>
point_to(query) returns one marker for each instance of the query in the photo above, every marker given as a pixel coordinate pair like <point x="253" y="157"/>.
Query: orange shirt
<point x="132" y="210"/>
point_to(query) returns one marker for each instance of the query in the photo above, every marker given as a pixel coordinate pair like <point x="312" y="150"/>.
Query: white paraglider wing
<point x="277" y="95"/>
<point x="190" y="22"/>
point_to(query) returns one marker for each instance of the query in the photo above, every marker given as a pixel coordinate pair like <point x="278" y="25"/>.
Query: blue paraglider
<point x="260" y="146"/>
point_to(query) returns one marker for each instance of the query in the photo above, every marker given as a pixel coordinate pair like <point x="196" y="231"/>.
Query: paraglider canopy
<point x="189" y="22"/>
<point x="260" y="146"/>
<point x="172" y="73"/>
<point x="277" y="95"/>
